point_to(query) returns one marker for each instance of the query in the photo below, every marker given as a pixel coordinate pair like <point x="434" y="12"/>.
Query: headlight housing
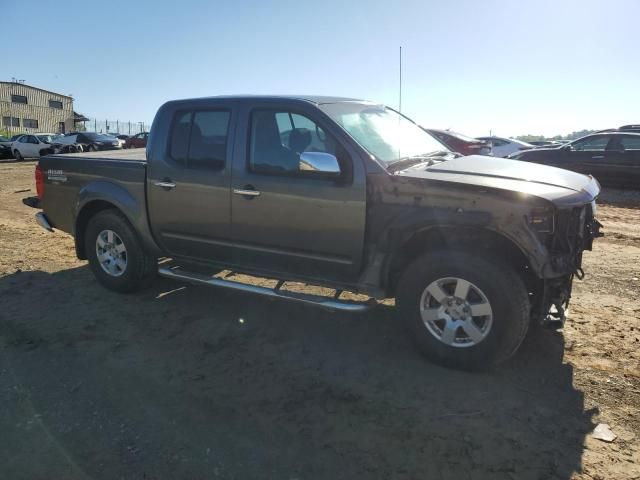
<point x="542" y="219"/>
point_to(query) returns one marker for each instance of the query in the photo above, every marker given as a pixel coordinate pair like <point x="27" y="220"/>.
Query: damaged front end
<point x="574" y="230"/>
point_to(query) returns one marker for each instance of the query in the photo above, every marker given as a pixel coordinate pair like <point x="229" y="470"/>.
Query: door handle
<point x="166" y="183"/>
<point x="597" y="157"/>
<point x="247" y="191"/>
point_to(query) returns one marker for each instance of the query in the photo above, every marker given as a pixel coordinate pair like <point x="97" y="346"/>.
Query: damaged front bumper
<point x="576" y="230"/>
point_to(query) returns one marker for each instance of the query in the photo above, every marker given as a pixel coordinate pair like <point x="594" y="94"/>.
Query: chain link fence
<point x="113" y="127"/>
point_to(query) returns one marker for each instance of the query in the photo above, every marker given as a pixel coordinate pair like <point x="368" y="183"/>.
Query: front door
<point x="188" y="184"/>
<point x="31" y="147"/>
<point x="286" y="216"/>
<point x="587" y="156"/>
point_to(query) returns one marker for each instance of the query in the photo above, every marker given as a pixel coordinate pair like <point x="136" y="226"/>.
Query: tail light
<point x="39" y="181"/>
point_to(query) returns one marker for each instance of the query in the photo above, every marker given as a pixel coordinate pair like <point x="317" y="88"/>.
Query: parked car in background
<point x="612" y="157"/>
<point x="32" y="146"/>
<point x="86" y="142"/>
<point x="461" y="143"/>
<point x="5" y="151"/>
<point x="137" y="141"/>
<point x="5" y="141"/>
<point x="501" y="147"/>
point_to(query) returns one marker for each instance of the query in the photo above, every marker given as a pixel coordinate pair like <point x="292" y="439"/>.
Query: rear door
<point x="188" y="182"/>
<point x="294" y="220"/>
<point x="623" y="159"/>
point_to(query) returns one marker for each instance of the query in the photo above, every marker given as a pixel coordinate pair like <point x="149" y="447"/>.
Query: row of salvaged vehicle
<point x="611" y="155"/>
<point x="38" y="144"/>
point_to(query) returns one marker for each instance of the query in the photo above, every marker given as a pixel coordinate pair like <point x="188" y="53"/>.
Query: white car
<point x="501" y="147"/>
<point x="32" y="145"/>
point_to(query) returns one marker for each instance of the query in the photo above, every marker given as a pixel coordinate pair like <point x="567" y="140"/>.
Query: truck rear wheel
<point x="116" y="254"/>
<point x="464" y="311"/>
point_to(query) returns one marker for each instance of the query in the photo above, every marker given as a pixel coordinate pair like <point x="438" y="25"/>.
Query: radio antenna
<point x="400" y="96"/>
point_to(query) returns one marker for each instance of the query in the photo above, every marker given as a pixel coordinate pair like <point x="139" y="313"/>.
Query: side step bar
<point x="325" y="302"/>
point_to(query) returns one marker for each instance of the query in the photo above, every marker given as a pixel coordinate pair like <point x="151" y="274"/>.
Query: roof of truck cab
<point x="317" y="99"/>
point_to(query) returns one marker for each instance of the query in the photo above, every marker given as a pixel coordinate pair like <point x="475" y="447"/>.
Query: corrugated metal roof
<point x="35" y="88"/>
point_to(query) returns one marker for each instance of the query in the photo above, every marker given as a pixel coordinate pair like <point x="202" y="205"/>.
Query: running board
<point x="330" y="303"/>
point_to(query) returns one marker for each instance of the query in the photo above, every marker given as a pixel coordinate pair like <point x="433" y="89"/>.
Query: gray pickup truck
<point x="338" y="193"/>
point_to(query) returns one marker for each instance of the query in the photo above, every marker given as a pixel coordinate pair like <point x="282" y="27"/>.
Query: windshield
<point x="384" y="133"/>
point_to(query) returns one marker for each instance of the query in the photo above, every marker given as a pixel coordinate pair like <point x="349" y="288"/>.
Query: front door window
<point x="279" y="138"/>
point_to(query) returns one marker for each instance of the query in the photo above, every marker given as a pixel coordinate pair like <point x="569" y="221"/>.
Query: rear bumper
<point x="42" y="220"/>
<point x="33" y="202"/>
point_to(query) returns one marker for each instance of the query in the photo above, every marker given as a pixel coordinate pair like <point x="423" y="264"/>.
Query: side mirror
<point x="567" y="146"/>
<point x="319" y="162"/>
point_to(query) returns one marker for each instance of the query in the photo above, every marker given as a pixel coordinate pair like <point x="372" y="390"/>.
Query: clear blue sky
<point x="514" y="67"/>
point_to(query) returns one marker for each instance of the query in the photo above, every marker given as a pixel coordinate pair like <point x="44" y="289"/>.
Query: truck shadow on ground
<point x="189" y="382"/>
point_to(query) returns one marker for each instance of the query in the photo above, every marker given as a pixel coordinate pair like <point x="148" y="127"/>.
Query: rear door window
<point x="199" y="139"/>
<point x="630" y="142"/>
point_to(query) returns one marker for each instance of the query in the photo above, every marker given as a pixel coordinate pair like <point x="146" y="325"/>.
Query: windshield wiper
<point x="406" y="162"/>
<point x="443" y="153"/>
<point x="429" y="158"/>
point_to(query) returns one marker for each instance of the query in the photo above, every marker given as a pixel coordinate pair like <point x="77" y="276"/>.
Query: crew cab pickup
<point x="339" y="193"/>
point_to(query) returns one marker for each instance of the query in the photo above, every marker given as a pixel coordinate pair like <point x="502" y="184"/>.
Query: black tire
<point x="500" y="284"/>
<point x="93" y="148"/>
<point x="140" y="266"/>
<point x="17" y="156"/>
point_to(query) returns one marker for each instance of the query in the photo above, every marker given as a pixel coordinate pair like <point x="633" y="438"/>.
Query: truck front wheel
<point x="116" y="254"/>
<point x="464" y="310"/>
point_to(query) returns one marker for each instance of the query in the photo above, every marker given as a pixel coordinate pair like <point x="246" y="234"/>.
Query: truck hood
<point x="550" y="183"/>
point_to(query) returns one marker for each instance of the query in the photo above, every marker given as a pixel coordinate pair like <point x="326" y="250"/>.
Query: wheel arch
<point x="86" y="213"/>
<point x="103" y="195"/>
<point x="475" y="239"/>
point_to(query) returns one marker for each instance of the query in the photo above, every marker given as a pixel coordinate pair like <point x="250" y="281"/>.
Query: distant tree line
<point x="571" y="136"/>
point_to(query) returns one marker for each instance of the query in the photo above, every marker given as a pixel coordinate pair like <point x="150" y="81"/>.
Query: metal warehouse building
<point x="29" y="109"/>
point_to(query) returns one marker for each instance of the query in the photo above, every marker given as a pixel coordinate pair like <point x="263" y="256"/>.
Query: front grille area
<point x="575" y="229"/>
<point x="569" y="230"/>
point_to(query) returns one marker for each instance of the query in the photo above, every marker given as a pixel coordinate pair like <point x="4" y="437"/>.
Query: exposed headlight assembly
<point x="542" y="219"/>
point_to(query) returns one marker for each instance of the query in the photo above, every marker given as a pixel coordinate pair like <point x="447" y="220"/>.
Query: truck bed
<point x="74" y="179"/>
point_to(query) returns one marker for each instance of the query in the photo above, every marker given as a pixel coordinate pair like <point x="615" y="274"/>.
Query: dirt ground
<point x="188" y="382"/>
